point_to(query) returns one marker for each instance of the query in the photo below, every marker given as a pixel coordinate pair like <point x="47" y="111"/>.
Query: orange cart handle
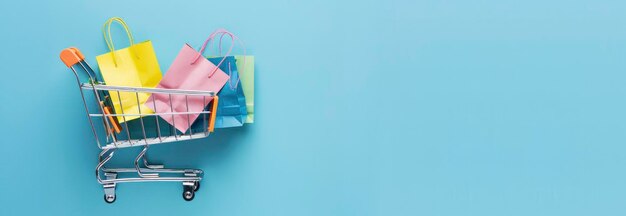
<point x="71" y="56"/>
<point x="213" y="114"/>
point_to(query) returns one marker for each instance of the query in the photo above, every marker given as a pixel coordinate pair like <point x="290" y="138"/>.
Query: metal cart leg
<point x="190" y="178"/>
<point x="190" y="187"/>
<point x="149" y="165"/>
<point x="109" y="188"/>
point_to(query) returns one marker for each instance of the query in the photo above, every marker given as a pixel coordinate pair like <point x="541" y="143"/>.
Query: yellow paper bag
<point x="134" y="66"/>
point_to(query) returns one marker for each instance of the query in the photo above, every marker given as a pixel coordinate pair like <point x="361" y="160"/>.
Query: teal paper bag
<point x="231" y="109"/>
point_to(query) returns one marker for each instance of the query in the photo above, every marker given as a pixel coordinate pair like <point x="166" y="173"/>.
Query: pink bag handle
<point x="233" y="38"/>
<point x="211" y="37"/>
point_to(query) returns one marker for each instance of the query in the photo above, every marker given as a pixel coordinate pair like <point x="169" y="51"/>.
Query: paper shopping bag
<point x="189" y="71"/>
<point x="232" y="109"/>
<point x="134" y="66"/>
<point x="247" y="83"/>
<point x="237" y="96"/>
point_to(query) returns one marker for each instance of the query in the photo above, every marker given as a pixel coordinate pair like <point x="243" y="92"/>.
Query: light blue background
<point x="369" y="107"/>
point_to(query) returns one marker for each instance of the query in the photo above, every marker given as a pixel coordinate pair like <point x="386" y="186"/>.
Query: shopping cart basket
<point x="112" y="135"/>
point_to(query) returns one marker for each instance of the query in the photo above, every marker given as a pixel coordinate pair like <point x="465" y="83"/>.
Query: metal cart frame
<point x="145" y="172"/>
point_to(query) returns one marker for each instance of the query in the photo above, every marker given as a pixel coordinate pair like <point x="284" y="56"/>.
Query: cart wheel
<point x="196" y="186"/>
<point x="109" y="198"/>
<point x="188" y="195"/>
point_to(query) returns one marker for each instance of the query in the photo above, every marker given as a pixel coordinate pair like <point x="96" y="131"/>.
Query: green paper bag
<point x="246" y="74"/>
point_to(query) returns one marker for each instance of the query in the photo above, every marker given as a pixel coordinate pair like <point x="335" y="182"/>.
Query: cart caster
<point x="109" y="188"/>
<point x="196" y="186"/>
<point x="109" y="198"/>
<point x="188" y="193"/>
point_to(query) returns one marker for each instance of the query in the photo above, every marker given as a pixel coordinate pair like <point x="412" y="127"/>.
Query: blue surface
<point x="363" y="108"/>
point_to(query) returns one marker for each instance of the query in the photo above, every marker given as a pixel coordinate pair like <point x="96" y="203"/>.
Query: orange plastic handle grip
<point x="213" y="114"/>
<point x="71" y="56"/>
<point x="114" y="124"/>
<point x="78" y="53"/>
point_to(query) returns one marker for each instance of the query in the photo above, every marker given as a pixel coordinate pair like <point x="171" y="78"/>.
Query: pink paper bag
<point x="189" y="71"/>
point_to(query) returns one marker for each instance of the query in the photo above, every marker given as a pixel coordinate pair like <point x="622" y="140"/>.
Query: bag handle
<point x="222" y="33"/>
<point x="243" y="46"/>
<point x="106" y="32"/>
<point x="211" y="37"/>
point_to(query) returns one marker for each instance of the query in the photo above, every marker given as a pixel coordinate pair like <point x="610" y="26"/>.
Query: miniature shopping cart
<point x="112" y="135"/>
